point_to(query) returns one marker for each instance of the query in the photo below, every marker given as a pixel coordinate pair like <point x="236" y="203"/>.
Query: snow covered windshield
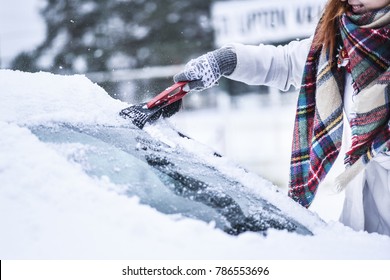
<point x="169" y="179"/>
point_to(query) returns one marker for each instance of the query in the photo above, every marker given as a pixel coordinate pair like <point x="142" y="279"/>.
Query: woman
<point x="343" y="76"/>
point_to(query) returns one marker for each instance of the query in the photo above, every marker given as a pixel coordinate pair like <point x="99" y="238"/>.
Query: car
<point x="163" y="168"/>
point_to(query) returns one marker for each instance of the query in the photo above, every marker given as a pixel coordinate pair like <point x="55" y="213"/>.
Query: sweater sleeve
<point x="275" y="66"/>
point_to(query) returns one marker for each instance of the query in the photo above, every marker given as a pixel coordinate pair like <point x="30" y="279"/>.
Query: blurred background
<point x="132" y="48"/>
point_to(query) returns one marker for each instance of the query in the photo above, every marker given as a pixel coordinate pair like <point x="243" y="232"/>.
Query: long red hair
<point x="328" y="26"/>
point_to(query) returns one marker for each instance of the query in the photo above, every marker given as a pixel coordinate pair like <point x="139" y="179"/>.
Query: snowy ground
<point x="51" y="209"/>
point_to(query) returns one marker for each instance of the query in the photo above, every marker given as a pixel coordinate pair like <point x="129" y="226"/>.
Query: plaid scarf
<point x="319" y="115"/>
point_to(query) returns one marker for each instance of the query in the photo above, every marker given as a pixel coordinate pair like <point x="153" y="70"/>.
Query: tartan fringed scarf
<point x="319" y="115"/>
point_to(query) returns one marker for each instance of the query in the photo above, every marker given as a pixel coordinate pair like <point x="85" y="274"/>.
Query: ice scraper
<point x="165" y="104"/>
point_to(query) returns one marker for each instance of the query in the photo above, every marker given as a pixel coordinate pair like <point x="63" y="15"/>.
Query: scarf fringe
<point x="344" y="178"/>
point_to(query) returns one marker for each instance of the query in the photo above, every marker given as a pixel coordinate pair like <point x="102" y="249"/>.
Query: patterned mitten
<point x="205" y="71"/>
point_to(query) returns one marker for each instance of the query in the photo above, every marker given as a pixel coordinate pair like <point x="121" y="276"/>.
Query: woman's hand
<point x="205" y="71"/>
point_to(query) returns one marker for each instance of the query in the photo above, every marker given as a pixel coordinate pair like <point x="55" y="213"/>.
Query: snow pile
<point x="51" y="209"/>
<point x="42" y="97"/>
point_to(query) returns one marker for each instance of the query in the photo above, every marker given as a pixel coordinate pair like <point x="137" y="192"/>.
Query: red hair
<point x="328" y="25"/>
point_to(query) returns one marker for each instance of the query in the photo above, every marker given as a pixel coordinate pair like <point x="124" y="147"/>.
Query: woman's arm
<point x="279" y="67"/>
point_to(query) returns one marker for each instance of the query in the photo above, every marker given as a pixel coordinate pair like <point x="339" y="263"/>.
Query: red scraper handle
<point x="169" y="95"/>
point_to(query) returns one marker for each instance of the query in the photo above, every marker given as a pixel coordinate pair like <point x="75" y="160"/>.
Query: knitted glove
<point x="205" y="71"/>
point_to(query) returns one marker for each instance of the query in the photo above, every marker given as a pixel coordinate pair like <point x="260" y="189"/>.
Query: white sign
<point x="259" y="21"/>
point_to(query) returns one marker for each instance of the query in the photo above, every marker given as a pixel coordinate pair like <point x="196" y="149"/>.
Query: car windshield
<point x="169" y="179"/>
